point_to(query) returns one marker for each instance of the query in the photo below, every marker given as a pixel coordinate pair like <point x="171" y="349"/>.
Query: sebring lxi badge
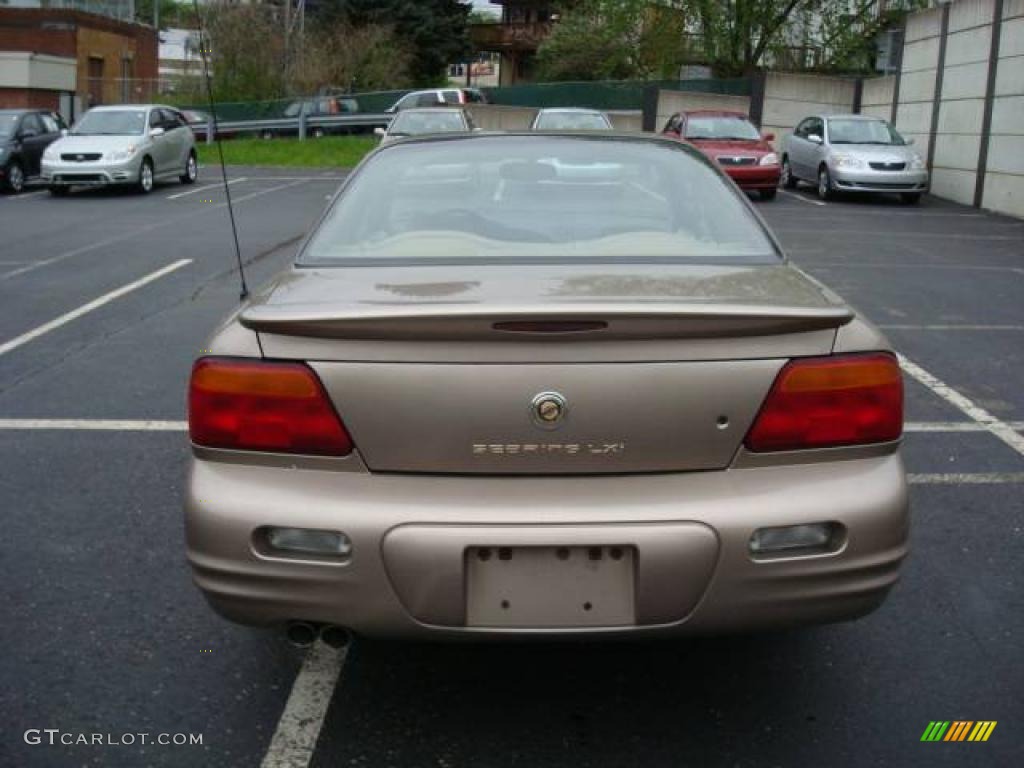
<point x="549" y="409"/>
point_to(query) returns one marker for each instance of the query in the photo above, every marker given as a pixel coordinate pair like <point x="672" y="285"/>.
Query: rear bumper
<point x="754" y="176"/>
<point x="690" y="532"/>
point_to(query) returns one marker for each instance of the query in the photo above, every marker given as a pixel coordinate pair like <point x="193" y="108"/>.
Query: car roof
<point x="420" y="110"/>
<point x="116" y="107"/>
<point x="851" y="117"/>
<point x="584" y="110"/>
<point x="710" y="112"/>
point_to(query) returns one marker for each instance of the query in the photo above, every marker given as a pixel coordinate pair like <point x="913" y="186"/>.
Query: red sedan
<point x="730" y="139"/>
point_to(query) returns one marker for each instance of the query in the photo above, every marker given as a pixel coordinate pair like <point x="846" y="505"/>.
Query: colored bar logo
<point x="958" y="730"/>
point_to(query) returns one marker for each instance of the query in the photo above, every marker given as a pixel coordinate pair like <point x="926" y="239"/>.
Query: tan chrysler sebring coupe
<point x="544" y="384"/>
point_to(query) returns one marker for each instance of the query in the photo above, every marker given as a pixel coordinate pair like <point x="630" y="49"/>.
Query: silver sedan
<point x="853" y="153"/>
<point x="130" y="144"/>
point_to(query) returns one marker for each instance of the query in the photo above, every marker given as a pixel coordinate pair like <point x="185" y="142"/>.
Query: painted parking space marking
<point x="116" y="425"/>
<point x="972" y="410"/>
<point x="801" y="198"/>
<point x="205" y="187"/>
<point x="951" y="327"/>
<point x="965" y="478"/>
<point x="298" y="729"/>
<point x="874" y="233"/>
<point x="871" y="265"/>
<point x="74" y="314"/>
<point x="954" y="426"/>
<point x="136" y="232"/>
<point x="26" y="195"/>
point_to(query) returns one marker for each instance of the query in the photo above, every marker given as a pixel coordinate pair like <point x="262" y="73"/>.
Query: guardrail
<point x="299" y="125"/>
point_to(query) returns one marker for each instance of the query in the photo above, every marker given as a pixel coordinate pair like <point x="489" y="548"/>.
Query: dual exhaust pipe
<point x="302" y="634"/>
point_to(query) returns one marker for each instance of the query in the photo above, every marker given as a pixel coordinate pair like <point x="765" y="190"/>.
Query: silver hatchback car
<point x="853" y="153"/>
<point x="137" y="144"/>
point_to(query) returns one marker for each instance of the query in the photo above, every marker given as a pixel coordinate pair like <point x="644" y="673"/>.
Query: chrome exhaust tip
<point x="301" y="634"/>
<point x="335" y="637"/>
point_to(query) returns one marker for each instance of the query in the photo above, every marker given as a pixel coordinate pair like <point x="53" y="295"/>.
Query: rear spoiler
<point x="567" y="322"/>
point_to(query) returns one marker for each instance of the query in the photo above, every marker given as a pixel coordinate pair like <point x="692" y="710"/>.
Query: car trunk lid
<point x="652" y="368"/>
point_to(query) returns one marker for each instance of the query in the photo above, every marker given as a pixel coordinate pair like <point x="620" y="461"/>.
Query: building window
<point x="95" y="93"/>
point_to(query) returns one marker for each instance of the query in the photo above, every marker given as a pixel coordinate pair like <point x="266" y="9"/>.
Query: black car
<point x="24" y="135"/>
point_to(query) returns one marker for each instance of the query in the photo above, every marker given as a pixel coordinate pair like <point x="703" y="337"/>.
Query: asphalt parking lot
<point x="105" y="299"/>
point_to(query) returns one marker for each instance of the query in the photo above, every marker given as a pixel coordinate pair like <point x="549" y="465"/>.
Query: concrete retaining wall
<point x="494" y="117"/>
<point x="951" y="111"/>
<point x="1004" y="171"/>
<point x="789" y="98"/>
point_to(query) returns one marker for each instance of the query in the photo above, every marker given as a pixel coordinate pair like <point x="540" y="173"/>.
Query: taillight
<point x="254" y="405"/>
<point x="826" y="402"/>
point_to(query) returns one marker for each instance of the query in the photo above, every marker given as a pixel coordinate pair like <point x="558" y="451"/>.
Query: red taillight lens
<point x="825" y="402"/>
<point x="254" y="405"/>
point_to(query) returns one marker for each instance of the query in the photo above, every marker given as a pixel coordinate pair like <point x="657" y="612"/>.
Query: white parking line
<point x="299" y="727"/>
<point x="952" y="327"/>
<point x="86" y="308"/>
<point x="120" y="425"/>
<point x="872" y="232"/>
<point x="27" y="195"/>
<point x="204" y="188"/>
<point x="801" y="198"/>
<point x="1000" y="429"/>
<point x="136" y="232"/>
<point x="954" y="426"/>
<point x="966" y="478"/>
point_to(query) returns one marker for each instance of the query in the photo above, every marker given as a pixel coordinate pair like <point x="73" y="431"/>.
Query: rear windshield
<point x="538" y="199"/>
<point x="8" y="122"/>
<point x="572" y="121"/>
<point x="417" y="123"/>
<point x="721" y="127"/>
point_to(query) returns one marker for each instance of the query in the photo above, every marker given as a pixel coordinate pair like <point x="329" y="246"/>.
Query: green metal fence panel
<point x="370" y="103"/>
<point x="605" y="94"/>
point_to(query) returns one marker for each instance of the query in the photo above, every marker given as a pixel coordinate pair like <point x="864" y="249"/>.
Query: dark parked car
<point x="322" y="106"/>
<point x="732" y="141"/>
<point x="24" y="135"/>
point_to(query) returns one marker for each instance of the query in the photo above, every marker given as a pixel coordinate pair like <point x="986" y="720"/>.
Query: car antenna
<point x="244" y="294"/>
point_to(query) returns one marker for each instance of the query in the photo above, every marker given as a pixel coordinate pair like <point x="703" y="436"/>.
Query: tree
<point x="245" y="51"/>
<point x="432" y="32"/>
<point x="602" y="39"/>
<point x="614" y="39"/>
<point x="172" y="12"/>
<point x="366" y="58"/>
<point x="740" y="36"/>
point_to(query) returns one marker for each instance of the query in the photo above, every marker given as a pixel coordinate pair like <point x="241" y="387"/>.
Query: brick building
<point x="69" y="60"/>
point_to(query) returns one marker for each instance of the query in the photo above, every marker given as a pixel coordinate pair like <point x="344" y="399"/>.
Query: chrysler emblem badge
<point x="548" y="409"/>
